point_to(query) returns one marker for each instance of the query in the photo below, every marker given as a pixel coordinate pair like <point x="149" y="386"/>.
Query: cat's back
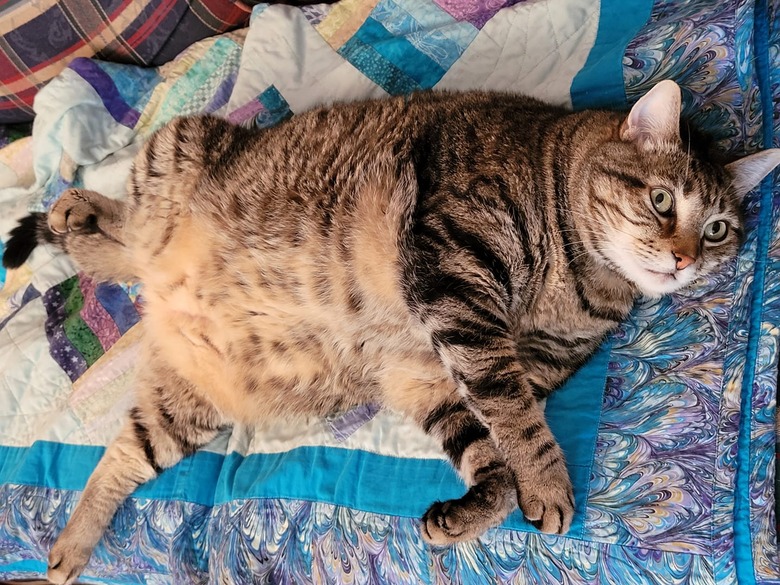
<point x="247" y="191"/>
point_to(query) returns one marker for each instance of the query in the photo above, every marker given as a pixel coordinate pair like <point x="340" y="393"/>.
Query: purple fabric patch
<point x="246" y="112"/>
<point x="222" y="95"/>
<point x="96" y="316"/>
<point x="344" y="425"/>
<point x="316" y="13"/>
<point x="60" y="347"/>
<point x="102" y="83"/>
<point x="476" y="12"/>
<point x="118" y="305"/>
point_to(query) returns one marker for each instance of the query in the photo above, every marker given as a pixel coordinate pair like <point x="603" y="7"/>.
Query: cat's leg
<point x="495" y="388"/>
<point x="168" y="423"/>
<point x="89" y="227"/>
<point x="491" y="496"/>
<point x="476" y="346"/>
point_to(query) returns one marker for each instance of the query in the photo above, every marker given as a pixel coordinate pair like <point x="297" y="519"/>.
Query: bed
<point x="669" y="431"/>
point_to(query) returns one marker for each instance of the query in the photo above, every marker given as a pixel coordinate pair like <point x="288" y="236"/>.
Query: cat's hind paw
<point x="72" y="212"/>
<point x="66" y="561"/>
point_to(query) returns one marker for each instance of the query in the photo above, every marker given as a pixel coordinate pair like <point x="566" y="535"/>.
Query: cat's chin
<point x="657" y="284"/>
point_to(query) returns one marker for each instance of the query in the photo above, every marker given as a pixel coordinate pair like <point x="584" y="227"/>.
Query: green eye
<point x="662" y="201"/>
<point x="716" y="231"/>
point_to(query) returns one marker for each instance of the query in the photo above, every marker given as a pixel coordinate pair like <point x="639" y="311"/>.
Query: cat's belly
<point x="261" y="333"/>
<point x="282" y="360"/>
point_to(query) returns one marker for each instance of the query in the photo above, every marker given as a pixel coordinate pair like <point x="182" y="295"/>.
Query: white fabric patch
<point x="387" y="433"/>
<point x="282" y="49"/>
<point x="534" y="48"/>
<point x="33" y="388"/>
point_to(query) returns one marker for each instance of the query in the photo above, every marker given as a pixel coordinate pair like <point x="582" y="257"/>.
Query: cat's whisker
<point x="574" y="259"/>
<point x="688" y="157"/>
<point x="580" y="213"/>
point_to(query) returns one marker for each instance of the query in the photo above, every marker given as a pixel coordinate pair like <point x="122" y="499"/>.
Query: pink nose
<point x="683" y="260"/>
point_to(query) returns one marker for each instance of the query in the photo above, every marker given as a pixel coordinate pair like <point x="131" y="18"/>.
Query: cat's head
<point x="663" y="210"/>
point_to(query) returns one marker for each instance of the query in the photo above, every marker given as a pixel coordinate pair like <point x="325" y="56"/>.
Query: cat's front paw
<point x="72" y="212"/>
<point x="67" y="560"/>
<point x="486" y="504"/>
<point x="444" y="524"/>
<point x="547" y="501"/>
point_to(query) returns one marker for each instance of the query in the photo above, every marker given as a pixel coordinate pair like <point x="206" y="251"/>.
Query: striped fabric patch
<point x="124" y="102"/>
<point x="405" y="46"/>
<point x="84" y="320"/>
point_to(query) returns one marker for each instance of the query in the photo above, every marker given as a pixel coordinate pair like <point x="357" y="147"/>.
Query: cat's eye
<point x="662" y="200"/>
<point x="716" y="231"/>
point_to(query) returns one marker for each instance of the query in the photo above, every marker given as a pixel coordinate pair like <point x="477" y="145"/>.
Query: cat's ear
<point x="747" y="172"/>
<point x="655" y="118"/>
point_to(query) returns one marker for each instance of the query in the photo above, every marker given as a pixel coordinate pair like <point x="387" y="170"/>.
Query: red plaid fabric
<point x="38" y="39"/>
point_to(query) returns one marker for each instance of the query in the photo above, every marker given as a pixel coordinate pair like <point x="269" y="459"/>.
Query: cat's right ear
<point x="747" y="172"/>
<point x="655" y="118"/>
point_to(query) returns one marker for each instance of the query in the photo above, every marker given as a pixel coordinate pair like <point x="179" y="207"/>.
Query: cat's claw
<point x="72" y="212"/>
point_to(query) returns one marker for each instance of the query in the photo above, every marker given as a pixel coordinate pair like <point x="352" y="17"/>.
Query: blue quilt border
<point x="744" y="553"/>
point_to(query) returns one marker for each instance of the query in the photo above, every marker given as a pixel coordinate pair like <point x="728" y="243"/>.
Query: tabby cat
<point x="453" y="257"/>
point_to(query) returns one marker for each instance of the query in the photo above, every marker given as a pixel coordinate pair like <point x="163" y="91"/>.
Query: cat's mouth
<point x="665" y="276"/>
<point x="656" y="282"/>
<point x="650" y="275"/>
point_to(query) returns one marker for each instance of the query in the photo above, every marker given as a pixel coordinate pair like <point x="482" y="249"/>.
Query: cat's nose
<point x="683" y="260"/>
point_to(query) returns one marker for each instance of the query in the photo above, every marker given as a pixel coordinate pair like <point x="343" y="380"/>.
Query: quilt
<point x="669" y="431"/>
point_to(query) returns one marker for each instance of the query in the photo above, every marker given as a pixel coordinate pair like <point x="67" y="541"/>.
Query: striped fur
<point x="448" y="256"/>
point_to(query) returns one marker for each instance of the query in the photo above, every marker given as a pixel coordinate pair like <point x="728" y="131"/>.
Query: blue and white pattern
<point x="669" y="431"/>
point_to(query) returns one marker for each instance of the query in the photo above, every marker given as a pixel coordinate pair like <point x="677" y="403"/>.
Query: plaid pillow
<point x="38" y="39"/>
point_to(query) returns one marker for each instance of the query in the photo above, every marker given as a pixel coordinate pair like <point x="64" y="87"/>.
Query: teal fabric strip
<point x="357" y="479"/>
<point x="401" y="53"/>
<point x="68" y="467"/>
<point x="29" y="567"/>
<point x="346" y="477"/>
<point x="370" y="63"/>
<point x="32" y="569"/>
<point x="599" y="84"/>
<point x="742" y="506"/>
<point x="573" y="414"/>
<point x="2" y="268"/>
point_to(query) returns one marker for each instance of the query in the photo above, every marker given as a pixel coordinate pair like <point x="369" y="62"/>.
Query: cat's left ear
<point x="655" y="118"/>
<point x="748" y="171"/>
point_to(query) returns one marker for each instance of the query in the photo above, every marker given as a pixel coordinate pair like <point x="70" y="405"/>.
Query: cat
<point x="451" y="256"/>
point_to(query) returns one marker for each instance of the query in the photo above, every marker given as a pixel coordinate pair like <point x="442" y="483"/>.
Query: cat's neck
<point x="599" y="282"/>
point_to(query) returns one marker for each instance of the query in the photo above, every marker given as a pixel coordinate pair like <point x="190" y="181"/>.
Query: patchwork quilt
<point x="669" y="431"/>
